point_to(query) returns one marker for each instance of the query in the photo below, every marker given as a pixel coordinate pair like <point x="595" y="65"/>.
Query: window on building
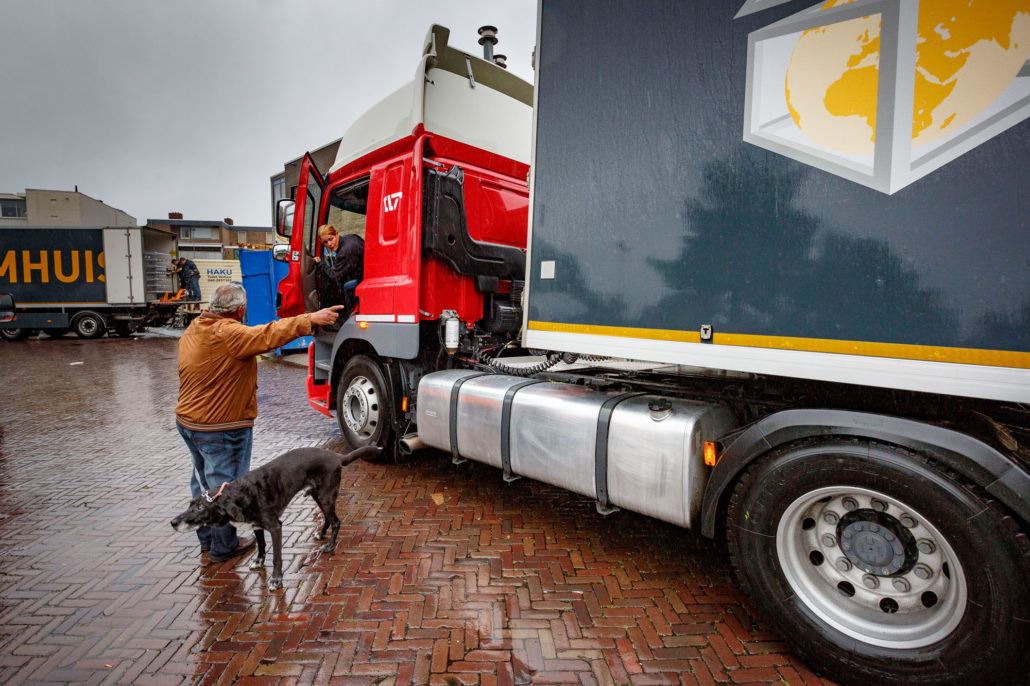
<point x="184" y="232"/>
<point x="278" y="189"/>
<point x="12" y="208"/>
<point x="203" y="232"/>
<point x="278" y="193"/>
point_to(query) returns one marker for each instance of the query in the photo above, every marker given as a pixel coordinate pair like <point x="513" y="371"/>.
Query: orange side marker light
<point x="362" y="325"/>
<point x="711" y="454"/>
<point x="404" y="404"/>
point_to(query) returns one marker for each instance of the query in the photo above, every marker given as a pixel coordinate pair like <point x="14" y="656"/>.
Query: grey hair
<point x="228" y="297"/>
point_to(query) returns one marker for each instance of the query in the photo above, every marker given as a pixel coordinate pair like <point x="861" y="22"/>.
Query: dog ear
<point x="231" y="510"/>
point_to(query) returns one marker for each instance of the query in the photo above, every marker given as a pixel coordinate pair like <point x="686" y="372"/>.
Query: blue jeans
<point x="193" y="288"/>
<point x="218" y="457"/>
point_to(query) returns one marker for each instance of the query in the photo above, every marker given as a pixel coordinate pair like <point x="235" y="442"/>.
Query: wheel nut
<point x="923" y="572"/>
<point x="850" y="504"/>
<point x="870" y="581"/>
<point x="843" y="564"/>
<point x="830" y="517"/>
<point x="829" y="541"/>
<point x="901" y="585"/>
<point x="926" y="547"/>
<point x="879" y="505"/>
<point x="908" y="522"/>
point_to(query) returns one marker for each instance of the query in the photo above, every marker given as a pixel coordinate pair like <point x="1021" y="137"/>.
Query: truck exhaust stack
<point x="488" y="39"/>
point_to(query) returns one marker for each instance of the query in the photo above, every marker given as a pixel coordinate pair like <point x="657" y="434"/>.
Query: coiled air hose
<point x="496" y="364"/>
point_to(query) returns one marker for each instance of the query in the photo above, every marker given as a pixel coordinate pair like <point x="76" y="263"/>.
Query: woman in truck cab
<point x="339" y="268"/>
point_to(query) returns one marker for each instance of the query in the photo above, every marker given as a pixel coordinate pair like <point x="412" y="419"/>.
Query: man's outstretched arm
<point x="247" y="341"/>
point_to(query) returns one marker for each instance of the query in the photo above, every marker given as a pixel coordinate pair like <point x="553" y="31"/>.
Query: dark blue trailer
<point x="790" y="243"/>
<point x="89" y="280"/>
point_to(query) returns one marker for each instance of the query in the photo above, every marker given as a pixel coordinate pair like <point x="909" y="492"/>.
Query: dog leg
<point x="258" y="562"/>
<point x="276" y="582"/>
<point x="331" y="545"/>
<point x="327" y="503"/>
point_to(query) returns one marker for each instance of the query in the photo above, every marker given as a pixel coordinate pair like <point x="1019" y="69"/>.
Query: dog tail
<point x="369" y="452"/>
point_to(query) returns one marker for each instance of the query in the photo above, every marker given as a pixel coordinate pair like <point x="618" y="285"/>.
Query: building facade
<point x="213" y="240"/>
<point x="41" y="207"/>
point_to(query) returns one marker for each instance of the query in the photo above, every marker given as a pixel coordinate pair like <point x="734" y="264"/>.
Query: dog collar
<point x="211" y="498"/>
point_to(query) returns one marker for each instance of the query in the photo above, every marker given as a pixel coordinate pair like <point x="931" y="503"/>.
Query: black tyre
<point x="880" y="567"/>
<point x="13" y="335"/>
<point x="364" y="404"/>
<point x="89" y="325"/>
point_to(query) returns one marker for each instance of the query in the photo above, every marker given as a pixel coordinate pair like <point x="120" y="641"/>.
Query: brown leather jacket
<point x="218" y="372"/>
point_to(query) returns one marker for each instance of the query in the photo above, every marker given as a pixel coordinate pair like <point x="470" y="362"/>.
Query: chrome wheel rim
<point x="88" y="326"/>
<point x="871" y="567"/>
<point x="360" y="406"/>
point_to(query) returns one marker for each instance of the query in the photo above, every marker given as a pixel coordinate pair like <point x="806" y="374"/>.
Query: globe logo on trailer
<point x="884" y="92"/>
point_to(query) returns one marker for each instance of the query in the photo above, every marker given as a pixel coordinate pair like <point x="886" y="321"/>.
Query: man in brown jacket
<point x="218" y="396"/>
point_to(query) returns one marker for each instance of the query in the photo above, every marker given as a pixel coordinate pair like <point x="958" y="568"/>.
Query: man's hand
<point x="317" y="260"/>
<point x="326" y="316"/>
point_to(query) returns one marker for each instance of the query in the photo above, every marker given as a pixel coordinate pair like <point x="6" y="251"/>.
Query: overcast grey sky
<point x="156" y="106"/>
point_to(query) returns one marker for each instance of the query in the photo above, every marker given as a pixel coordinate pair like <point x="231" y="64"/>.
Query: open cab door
<point x="297" y="220"/>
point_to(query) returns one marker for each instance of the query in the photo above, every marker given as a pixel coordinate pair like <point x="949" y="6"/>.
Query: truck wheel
<point x="13" y="335"/>
<point x="364" y="404"/>
<point x="89" y="325"/>
<point x="879" y="567"/>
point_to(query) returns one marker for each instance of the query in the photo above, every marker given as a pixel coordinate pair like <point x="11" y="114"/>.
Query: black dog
<point x="259" y="498"/>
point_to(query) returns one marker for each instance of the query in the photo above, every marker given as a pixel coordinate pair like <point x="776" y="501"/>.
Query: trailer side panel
<point x="788" y="182"/>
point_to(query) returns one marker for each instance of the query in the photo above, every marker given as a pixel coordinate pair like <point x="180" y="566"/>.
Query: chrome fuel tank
<point x="433" y="410"/>
<point x="478" y="421"/>
<point x="656" y="458"/>
<point x="639" y="452"/>
<point x="554" y="435"/>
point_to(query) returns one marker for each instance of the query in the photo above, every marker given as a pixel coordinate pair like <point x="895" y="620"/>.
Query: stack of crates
<point x="157" y="278"/>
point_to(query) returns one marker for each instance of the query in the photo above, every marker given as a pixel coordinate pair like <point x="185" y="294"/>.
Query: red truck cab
<point x="433" y="178"/>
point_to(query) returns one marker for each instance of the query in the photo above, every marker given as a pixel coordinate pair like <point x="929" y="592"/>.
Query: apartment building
<point x="40" y="207"/>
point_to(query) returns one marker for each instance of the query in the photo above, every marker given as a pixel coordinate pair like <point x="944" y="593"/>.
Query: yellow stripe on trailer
<point x="901" y="351"/>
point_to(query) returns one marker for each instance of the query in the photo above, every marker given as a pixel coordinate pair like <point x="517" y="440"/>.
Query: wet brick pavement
<point x="443" y="574"/>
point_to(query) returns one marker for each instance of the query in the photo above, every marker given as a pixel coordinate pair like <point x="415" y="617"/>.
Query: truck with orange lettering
<point x="90" y="280"/>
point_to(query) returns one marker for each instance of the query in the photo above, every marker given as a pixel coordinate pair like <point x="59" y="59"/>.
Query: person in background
<point x="189" y="277"/>
<point x="342" y="261"/>
<point x="218" y="396"/>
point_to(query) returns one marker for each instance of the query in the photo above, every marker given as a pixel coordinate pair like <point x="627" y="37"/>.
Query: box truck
<point x="89" y="280"/>
<point x="807" y="224"/>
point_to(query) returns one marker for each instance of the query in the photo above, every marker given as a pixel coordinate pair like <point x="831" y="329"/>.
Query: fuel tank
<point x="640" y="452"/>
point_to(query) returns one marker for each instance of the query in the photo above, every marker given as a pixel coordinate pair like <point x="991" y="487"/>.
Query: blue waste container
<point x="261" y="277"/>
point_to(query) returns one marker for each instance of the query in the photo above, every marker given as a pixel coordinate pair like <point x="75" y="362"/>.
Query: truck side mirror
<point x="281" y="252"/>
<point x="6" y="308"/>
<point x="284" y="217"/>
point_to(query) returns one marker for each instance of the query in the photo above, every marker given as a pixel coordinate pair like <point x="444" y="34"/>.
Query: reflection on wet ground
<point x="442" y="574"/>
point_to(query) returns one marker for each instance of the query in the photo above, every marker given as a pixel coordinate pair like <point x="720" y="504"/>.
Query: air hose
<point x="497" y="365"/>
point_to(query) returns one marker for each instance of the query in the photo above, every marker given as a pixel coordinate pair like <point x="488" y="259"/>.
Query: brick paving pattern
<point x="442" y="575"/>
